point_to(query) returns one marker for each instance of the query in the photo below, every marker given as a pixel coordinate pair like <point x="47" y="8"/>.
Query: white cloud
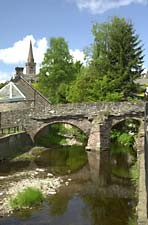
<point x="101" y="6"/>
<point x="18" y="53"/>
<point x="77" y="55"/>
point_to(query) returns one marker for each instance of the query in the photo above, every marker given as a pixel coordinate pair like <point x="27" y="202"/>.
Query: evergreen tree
<point x="115" y="61"/>
<point x="117" y="54"/>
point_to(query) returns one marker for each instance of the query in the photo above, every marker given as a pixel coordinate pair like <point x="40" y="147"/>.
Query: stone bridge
<point x="94" y="119"/>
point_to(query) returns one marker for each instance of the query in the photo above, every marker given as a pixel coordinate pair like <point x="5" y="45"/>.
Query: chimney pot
<point x="19" y="71"/>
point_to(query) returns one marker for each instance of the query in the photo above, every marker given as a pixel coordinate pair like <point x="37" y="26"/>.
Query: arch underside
<point x="82" y="125"/>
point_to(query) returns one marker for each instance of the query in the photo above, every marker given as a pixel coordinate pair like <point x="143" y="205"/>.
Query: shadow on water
<point x="95" y="195"/>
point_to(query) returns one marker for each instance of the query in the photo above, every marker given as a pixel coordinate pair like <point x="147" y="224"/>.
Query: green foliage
<point x="123" y="138"/>
<point x="120" y="149"/>
<point x="27" y="198"/>
<point x="126" y="139"/>
<point x="115" y="61"/>
<point x="52" y="138"/>
<point x="2" y="85"/>
<point x="57" y="71"/>
<point x="134" y="174"/>
<point x="125" y="132"/>
<point x="114" y="134"/>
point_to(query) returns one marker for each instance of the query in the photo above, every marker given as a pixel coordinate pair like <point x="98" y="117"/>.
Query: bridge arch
<point x="118" y="120"/>
<point x="123" y="126"/>
<point x="82" y="126"/>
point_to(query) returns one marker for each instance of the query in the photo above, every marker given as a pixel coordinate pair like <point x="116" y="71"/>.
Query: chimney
<point x="19" y="71"/>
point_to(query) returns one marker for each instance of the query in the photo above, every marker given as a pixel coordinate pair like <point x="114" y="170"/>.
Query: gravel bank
<point x="38" y="178"/>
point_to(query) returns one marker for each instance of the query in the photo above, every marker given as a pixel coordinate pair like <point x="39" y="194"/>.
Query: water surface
<point x="86" y="200"/>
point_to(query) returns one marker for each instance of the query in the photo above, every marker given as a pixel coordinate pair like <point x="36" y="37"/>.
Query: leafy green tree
<point x="115" y="61"/>
<point x="57" y="71"/>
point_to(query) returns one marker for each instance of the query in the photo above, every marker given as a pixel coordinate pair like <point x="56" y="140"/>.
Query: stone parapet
<point x="142" y="193"/>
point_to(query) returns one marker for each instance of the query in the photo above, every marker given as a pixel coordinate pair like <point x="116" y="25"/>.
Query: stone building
<point x="19" y="88"/>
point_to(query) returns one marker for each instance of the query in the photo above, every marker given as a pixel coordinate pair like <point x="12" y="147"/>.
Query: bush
<point x="126" y="139"/>
<point x="114" y="135"/>
<point x="27" y="198"/>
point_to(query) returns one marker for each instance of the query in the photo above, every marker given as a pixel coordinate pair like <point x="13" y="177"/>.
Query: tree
<point x="2" y="85"/>
<point x="115" y="61"/>
<point x="57" y="71"/>
<point x="117" y="54"/>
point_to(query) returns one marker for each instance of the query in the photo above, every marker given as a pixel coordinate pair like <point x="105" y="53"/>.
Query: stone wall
<point x="14" y="118"/>
<point x="13" y="145"/>
<point x="4" y="107"/>
<point x="142" y="193"/>
<point x="99" y="108"/>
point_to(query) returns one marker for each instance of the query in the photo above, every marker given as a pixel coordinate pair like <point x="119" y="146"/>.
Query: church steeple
<point x="30" y="55"/>
<point x="30" y="65"/>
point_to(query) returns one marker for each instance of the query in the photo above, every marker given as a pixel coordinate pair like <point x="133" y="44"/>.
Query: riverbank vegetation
<point x="125" y="132"/>
<point x="27" y="198"/>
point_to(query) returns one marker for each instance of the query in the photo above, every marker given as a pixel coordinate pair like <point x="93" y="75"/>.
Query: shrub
<point x="27" y="198"/>
<point x="126" y="139"/>
<point x="114" y="135"/>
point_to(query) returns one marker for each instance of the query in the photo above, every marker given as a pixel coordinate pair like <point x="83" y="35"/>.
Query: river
<point x="92" y="196"/>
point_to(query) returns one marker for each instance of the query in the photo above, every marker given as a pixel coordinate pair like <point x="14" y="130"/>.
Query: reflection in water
<point x="93" y="197"/>
<point x="62" y="161"/>
<point x="99" y="163"/>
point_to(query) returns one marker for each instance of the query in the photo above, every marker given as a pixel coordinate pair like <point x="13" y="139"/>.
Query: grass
<point x="25" y="156"/>
<point x="27" y="198"/>
<point x="31" y="154"/>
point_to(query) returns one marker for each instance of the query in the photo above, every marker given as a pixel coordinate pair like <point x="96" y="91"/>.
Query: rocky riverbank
<point x="38" y="178"/>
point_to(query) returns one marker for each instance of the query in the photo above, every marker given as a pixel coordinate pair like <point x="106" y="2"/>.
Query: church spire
<point x="30" y="55"/>
<point x="30" y="65"/>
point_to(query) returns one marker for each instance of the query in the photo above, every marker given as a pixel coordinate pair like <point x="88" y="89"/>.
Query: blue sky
<point x="39" y="20"/>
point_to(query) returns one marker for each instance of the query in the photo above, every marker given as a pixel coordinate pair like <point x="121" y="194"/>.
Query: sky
<point x="39" y="20"/>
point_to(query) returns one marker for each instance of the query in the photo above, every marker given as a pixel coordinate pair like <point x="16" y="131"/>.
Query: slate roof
<point x="25" y="88"/>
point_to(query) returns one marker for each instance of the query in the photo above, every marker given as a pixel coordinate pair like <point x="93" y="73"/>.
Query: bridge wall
<point x="13" y="145"/>
<point x="91" y="109"/>
<point x="94" y="119"/>
<point x="142" y="190"/>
